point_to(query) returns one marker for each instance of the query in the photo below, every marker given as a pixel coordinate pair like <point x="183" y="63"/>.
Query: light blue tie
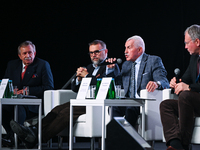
<point x="132" y="89"/>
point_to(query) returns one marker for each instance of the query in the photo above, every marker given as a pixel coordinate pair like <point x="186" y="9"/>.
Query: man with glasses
<point x="58" y="119"/>
<point x="98" y="54"/>
<point x="177" y="116"/>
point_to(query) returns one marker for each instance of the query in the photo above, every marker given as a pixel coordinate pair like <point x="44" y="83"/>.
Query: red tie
<point x="24" y="72"/>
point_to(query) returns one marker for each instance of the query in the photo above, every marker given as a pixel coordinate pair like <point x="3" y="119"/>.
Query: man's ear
<point x="106" y="51"/>
<point x="19" y="56"/>
<point x="197" y="42"/>
<point x="140" y="50"/>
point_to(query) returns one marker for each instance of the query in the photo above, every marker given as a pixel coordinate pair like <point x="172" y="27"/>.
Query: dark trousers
<point x="58" y="119"/>
<point x="8" y="115"/>
<point x="130" y="113"/>
<point x="177" y="116"/>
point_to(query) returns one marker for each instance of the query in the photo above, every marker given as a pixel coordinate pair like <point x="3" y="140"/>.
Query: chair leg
<point x="60" y="142"/>
<point x="190" y="147"/>
<point x="92" y="144"/>
<point x="152" y="143"/>
<point x="49" y="143"/>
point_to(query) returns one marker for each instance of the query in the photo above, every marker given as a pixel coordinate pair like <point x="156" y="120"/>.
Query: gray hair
<point x="193" y="31"/>
<point x="95" y="42"/>
<point x="138" y="41"/>
<point x="24" y="44"/>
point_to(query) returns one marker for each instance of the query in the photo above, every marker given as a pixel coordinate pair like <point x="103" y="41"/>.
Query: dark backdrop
<point x="62" y="29"/>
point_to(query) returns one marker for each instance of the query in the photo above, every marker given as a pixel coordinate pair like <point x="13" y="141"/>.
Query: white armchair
<point x="153" y="125"/>
<point x="52" y="98"/>
<point x="87" y="125"/>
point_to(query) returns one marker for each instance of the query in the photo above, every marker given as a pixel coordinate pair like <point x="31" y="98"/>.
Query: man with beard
<point x="98" y="54"/>
<point x="58" y="119"/>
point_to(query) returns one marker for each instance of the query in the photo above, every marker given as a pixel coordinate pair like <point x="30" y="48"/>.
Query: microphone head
<point x="119" y="60"/>
<point x="177" y="71"/>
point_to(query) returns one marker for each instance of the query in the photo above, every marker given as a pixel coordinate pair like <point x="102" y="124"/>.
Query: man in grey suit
<point x="139" y="71"/>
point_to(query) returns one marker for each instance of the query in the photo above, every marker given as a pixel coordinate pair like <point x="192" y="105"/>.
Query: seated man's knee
<point x="167" y="105"/>
<point x="184" y="96"/>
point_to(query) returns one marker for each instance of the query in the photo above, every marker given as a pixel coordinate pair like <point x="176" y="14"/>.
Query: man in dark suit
<point x="140" y="71"/>
<point x="98" y="54"/>
<point x="58" y="119"/>
<point x="37" y="75"/>
<point x="177" y="116"/>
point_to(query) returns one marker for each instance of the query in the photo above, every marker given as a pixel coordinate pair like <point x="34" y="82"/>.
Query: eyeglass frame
<point x="186" y="43"/>
<point x="96" y="52"/>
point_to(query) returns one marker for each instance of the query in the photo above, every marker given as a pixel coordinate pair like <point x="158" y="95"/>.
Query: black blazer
<point x="190" y="75"/>
<point x="38" y="77"/>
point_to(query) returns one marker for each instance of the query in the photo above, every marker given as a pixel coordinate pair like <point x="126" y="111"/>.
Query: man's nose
<point x="185" y="46"/>
<point x="125" y="51"/>
<point x="27" y="55"/>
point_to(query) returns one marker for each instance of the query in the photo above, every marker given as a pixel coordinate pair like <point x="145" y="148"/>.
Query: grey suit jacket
<point x="151" y="69"/>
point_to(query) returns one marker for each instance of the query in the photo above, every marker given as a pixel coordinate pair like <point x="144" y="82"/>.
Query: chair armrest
<point x="153" y="126"/>
<point x="54" y="98"/>
<point x="168" y="95"/>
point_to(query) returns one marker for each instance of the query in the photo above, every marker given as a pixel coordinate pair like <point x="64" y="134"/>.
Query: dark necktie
<point x="132" y="91"/>
<point x="22" y="75"/>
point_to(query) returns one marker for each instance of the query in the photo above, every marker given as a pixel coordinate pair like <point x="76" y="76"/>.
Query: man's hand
<point x="181" y="87"/>
<point x="81" y="73"/>
<point x="151" y="86"/>
<point x="173" y="82"/>
<point x="110" y="60"/>
<point x="19" y="91"/>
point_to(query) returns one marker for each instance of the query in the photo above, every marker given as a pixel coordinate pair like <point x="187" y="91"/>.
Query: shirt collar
<point x="23" y="65"/>
<point x="138" y="60"/>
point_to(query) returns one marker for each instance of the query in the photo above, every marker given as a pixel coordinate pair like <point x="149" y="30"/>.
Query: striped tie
<point x="133" y="81"/>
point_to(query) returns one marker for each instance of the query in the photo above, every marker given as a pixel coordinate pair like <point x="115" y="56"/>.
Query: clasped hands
<point x="81" y="73"/>
<point x="178" y="87"/>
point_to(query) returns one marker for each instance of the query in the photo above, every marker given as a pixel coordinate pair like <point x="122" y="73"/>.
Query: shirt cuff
<point x="77" y="82"/>
<point x="109" y="70"/>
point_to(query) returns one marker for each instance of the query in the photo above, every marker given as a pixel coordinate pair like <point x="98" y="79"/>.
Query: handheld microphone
<point x="177" y="73"/>
<point x="118" y="61"/>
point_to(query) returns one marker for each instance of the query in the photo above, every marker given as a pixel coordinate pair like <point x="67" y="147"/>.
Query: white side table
<point x="10" y="101"/>
<point x="103" y="103"/>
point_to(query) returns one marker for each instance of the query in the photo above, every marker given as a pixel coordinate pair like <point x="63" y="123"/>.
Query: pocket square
<point x="145" y="73"/>
<point x="34" y="76"/>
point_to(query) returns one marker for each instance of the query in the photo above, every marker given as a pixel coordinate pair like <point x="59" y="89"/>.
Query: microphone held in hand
<point x="177" y="73"/>
<point x="118" y="61"/>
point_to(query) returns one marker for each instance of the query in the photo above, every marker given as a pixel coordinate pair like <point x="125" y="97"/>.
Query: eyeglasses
<point x="186" y="43"/>
<point x="96" y="52"/>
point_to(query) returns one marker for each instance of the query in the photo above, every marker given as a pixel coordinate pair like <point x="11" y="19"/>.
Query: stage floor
<point x="86" y="146"/>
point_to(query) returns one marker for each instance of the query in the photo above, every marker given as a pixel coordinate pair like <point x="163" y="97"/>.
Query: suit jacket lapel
<point x="141" y="70"/>
<point x="195" y="74"/>
<point x="17" y="72"/>
<point x="126" y="80"/>
<point x="100" y="71"/>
